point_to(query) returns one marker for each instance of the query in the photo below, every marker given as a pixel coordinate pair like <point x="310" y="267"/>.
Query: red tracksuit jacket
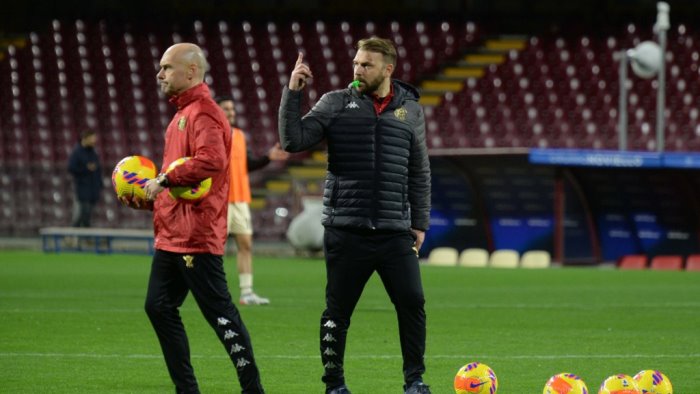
<point x="198" y="130"/>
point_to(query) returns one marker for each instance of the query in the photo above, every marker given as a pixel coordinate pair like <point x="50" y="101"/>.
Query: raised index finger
<point x="300" y="59"/>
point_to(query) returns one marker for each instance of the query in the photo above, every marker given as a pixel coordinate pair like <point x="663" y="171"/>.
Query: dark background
<point x="504" y="16"/>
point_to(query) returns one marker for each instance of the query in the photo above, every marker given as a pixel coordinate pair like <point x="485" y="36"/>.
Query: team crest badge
<point x="182" y="123"/>
<point x="400" y="113"/>
<point x="189" y="261"/>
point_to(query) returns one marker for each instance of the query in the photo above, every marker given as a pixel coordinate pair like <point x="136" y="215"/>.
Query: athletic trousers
<point x="173" y="275"/>
<point x="351" y="258"/>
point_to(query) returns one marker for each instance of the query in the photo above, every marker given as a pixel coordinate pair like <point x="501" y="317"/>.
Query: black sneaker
<point x="338" y="390"/>
<point x="417" y="387"/>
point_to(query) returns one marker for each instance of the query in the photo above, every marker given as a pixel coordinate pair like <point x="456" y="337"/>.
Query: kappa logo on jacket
<point x="352" y="105"/>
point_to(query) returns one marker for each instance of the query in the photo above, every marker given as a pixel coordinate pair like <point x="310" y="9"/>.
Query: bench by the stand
<point x="97" y="240"/>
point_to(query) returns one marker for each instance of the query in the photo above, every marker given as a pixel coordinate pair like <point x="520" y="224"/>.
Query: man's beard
<point x="372" y="86"/>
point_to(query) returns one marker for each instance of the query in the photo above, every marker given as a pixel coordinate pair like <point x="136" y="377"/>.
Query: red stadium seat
<point x="633" y="262"/>
<point x="667" y="263"/>
<point x="693" y="263"/>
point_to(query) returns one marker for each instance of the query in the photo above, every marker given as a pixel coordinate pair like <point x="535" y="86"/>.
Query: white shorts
<point x="239" y="220"/>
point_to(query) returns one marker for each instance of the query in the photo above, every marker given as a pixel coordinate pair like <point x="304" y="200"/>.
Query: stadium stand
<point x="79" y="75"/>
<point x="512" y="93"/>
<point x="559" y="91"/>
<point x="530" y="108"/>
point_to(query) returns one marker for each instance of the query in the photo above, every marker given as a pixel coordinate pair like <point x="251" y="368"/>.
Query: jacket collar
<point x="380" y="103"/>
<point x="194" y="93"/>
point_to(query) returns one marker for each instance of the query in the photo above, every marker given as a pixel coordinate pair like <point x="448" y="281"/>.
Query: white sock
<point x="245" y="282"/>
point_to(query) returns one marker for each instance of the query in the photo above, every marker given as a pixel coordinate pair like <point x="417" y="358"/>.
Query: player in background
<point x="240" y="223"/>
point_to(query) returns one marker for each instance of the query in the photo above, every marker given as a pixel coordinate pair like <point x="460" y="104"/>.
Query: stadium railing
<point x="96" y="240"/>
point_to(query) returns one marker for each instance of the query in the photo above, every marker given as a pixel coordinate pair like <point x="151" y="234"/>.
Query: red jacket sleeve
<point x="210" y="155"/>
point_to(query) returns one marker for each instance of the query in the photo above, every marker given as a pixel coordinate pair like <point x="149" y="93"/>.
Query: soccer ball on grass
<point x="653" y="382"/>
<point x="565" y="383"/>
<point x="475" y="378"/>
<point x="619" y="384"/>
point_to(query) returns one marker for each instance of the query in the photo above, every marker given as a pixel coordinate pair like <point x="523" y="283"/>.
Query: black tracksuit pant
<point x="351" y="258"/>
<point x="173" y="276"/>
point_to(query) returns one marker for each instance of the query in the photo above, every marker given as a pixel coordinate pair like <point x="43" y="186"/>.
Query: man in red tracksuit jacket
<point x="190" y="237"/>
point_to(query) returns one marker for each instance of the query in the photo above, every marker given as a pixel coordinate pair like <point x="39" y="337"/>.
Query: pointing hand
<point x="301" y="72"/>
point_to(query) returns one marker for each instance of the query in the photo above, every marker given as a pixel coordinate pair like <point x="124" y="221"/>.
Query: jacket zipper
<point x="376" y="173"/>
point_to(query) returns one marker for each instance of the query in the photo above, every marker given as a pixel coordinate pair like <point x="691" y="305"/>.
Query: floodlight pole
<point x="662" y="25"/>
<point x="622" y="110"/>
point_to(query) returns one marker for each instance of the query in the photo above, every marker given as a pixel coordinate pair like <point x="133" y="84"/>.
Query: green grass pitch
<point x="74" y="323"/>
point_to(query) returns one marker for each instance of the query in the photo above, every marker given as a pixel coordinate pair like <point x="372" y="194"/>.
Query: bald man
<point x="190" y="237"/>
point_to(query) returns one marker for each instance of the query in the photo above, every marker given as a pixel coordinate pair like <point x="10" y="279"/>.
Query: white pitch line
<point x="362" y="356"/>
<point x="388" y="308"/>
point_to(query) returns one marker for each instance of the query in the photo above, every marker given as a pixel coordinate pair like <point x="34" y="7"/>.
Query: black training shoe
<point x="418" y="387"/>
<point x="340" y="390"/>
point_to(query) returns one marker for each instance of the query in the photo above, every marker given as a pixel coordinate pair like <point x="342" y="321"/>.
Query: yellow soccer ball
<point x="653" y="382"/>
<point x="619" y="384"/>
<point x="475" y="378"/>
<point x="565" y="383"/>
<point x="131" y="174"/>
<point x="188" y="193"/>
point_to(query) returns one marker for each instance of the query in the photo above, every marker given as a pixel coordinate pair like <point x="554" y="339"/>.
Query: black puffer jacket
<point x="378" y="169"/>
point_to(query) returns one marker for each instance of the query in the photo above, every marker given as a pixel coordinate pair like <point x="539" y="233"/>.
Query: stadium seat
<point x="667" y="263"/>
<point x="444" y="256"/>
<point x="504" y="258"/>
<point x="536" y="259"/>
<point x="633" y="262"/>
<point x="474" y="257"/>
<point x="693" y="263"/>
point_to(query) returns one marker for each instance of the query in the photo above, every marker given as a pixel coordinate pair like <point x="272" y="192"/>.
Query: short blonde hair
<point x="379" y="45"/>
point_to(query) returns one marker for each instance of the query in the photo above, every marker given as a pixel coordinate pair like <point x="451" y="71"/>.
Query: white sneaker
<point x="253" y="299"/>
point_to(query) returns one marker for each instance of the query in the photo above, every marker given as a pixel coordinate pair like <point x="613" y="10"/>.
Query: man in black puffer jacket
<point x="376" y="199"/>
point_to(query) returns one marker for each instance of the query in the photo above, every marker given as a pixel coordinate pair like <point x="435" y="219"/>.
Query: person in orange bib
<point x="240" y="223"/>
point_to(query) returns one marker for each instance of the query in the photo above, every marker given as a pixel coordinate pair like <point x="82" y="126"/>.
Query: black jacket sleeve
<point x="419" y="177"/>
<point x="255" y="162"/>
<point x="298" y="134"/>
